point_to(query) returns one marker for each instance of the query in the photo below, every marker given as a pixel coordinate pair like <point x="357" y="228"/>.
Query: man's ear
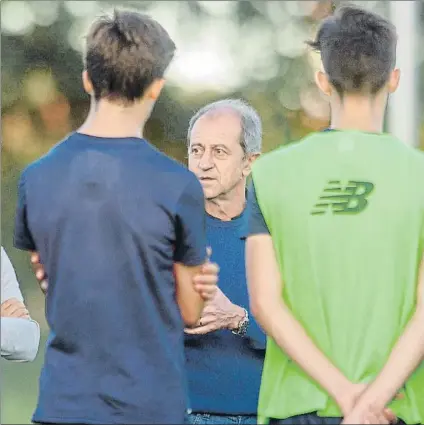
<point x="248" y="166"/>
<point x="394" y="79"/>
<point x="86" y="82"/>
<point x="323" y="83"/>
<point x="154" y="90"/>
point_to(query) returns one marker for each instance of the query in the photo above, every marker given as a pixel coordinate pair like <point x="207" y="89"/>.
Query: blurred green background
<point x="249" y="49"/>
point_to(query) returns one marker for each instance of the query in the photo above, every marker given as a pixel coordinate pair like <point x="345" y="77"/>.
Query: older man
<point x="20" y="336"/>
<point x="225" y="352"/>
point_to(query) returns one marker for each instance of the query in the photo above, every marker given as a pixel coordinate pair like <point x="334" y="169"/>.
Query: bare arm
<point x="407" y="354"/>
<point x="265" y="288"/>
<point x="189" y="300"/>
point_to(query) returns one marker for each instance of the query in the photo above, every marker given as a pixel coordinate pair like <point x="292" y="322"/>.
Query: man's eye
<point x="220" y="152"/>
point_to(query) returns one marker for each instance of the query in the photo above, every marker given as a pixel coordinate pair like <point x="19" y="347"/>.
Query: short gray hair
<point x="251" y="125"/>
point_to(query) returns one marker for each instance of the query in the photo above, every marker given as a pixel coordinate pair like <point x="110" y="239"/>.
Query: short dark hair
<point x="358" y="50"/>
<point x="125" y="53"/>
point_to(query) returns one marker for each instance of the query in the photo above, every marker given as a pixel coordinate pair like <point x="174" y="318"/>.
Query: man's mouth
<point x="206" y="178"/>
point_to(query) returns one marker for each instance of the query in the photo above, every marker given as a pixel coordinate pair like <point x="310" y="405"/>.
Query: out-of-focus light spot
<point x="205" y="60"/>
<point x="219" y="8"/>
<point x="276" y="12"/>
<point x="77" y="32"/>
<point x="17" y="129"/>
<point x="290" y="99"/>
<point x="314" y="103"/>
<point x="40" y="87"/>
<point x="166" y="13"/>
<point x="17" y="18"/>
<point x="314" y="59"/>
<point x="55" y="115"/>
<point x="256" y="53"/>
<point x="300" y="8"/>
<point x="45" y="12"/>
<point x="266" y="69"/>
<point x="368" y="4"/>
<point x="81" y="8"/>
<point x="202" y="69"/>
<point x="291" y="39"/>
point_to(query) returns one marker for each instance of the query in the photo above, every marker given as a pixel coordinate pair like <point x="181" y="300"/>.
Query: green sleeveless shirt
<point x="345" y="210"/>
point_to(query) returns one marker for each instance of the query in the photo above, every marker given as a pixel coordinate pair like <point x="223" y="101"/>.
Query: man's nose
<point x="206" y="161"/>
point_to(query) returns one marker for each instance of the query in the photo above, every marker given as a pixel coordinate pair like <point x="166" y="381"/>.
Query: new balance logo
<point x="350" y="199"/>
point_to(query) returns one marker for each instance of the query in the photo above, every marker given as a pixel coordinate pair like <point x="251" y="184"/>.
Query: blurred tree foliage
<point x="43" y="100"/>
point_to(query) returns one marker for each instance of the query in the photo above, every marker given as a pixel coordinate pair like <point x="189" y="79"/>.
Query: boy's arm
<point x="267" y="305"/>
<point x="407" y="354"/>
<point x="190" y="250"/>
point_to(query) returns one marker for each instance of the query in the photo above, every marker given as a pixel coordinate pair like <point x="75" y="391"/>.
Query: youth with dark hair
<point x="111" y="219"/>
<point x="335" y="245"/>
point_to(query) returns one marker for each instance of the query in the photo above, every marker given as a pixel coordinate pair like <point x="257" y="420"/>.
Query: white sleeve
<point x="20" y="338"/>
<point x="9" y="282"/>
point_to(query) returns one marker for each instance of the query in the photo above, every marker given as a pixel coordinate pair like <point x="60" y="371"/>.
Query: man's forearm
<point x="20" y="339"/>
<point x="404" y="359"/>
<point x="254" y="333"/>
<point x="280" y="324"/>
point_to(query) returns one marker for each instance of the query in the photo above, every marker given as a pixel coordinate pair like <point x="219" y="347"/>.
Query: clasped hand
<point x="357" y="410"/>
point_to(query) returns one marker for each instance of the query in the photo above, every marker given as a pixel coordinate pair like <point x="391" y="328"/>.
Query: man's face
<point x="216" y="155"/>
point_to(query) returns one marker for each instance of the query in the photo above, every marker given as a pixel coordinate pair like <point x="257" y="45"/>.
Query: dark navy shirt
<point x="224" y="369"/>
<point x="256" y="224"/>
<point x="109" y="218"/>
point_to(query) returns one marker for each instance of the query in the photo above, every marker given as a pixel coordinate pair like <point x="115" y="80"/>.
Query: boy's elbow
<point x="192" y="314"/>
<point x="257" y="307"/>
<point x="191" y="318"/>
<point x="263" y="307"/>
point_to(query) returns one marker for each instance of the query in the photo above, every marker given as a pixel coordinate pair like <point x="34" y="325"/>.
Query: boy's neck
<point x="113" y="120"/>
<point x="358" y="113"/>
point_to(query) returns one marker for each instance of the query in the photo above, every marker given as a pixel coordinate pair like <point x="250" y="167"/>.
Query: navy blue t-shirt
<point x="224" y="370"/>
<point x="109" y="218"/>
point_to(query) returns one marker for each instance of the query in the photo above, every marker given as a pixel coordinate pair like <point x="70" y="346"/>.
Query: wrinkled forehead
<point x="222" y="126"/>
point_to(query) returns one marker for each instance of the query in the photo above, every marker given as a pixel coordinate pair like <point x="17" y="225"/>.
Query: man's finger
<point x="205" y="279"/>
<point x="39" y="274"/>
<point x="210" y="269"/>
<point x="16" y="309"/>
<point x="35" y="258"/>
<point x="209" y="310"/>
<point x="209" y="289"/>
<point x="22" y="313"/>
<point x="44" y="286"/>
<point x="208" y="253"/>
<point x="205" y="320"/>
<point x="390" y="416"/>
<point x="201" y="330"/>
<point x="12" y="304"/>
<point x="207" y="296"/>
<point x="9" y="302"/>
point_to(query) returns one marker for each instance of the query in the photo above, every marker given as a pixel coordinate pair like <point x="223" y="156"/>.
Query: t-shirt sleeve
<point x="190" y="245"/>
<point x="9" y="282"/>
<point x="256" y="224"/>
<point x="22" y="236"/>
